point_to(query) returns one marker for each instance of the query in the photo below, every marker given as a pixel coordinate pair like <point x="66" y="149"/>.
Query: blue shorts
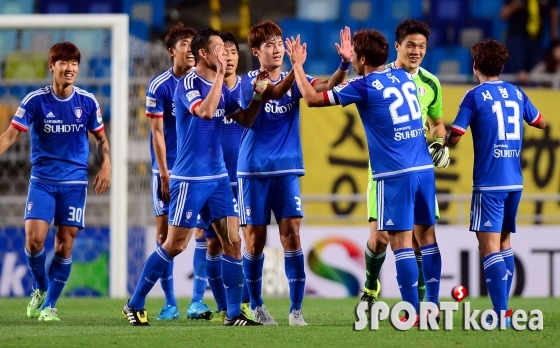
<point x="494" y="211"/>
<point x="193" y="203"/>
<point x="66" y="204"/>
<point x="405" y="201"/>
<point x="258" y="196"/>
<point x="209" y="231"/>
<point x="160" y="207"/>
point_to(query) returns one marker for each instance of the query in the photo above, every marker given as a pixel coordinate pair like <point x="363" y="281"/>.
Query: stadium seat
<point x="387" y="28"/>
<point x="467" y="34"/>
<point x="26" y="65"/>
<point x="499" y="29"/>
<point x="318" y="10"/>
<point x="100" y="66"/>
<point x="101" y="6"/>
<point x="448" y="60"/>
<point x="139" y="29"/>
<point x="17" y="6"/>
<point x="59" y="6"/>
<point x="39" y="40"/>
<point x="400" y="9"/>
<point x="89" y="41"/>
<point x="449" y="10"/>
<point x="8" y="42"/>
<point x="308" y="31"/>
<point x="487" y="9"/>
<point x="329" y="33"/>
<point x="151" y="12"/>
<point x="358" y="10"/>
<point x="322" y="64"/>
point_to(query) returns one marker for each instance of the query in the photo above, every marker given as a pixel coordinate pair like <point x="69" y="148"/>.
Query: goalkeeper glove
<point x="439" y="153"/>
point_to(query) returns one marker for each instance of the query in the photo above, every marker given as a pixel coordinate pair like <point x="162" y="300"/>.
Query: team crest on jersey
<point x="160" y="203"/>
<point x="421" y="91"/>
<point x="189" y="214"/>
<point x="99" y="116"/>
<point x="248" y="211"/>
<point x="151" y="102"/>
<point x="29" y="206"/>
<point x="192" y="94"/>
<point x="198" y="218"/>
<point x="78" y="112"/>
<point x="20" y="112"/>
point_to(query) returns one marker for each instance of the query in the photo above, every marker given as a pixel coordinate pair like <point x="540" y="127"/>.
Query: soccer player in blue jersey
<point x="199" y="188"/>
<point x="270" y="163"/>
<point x="58" y="118"/>
<point x="387" y="102"/>
<point x="161" y="112"/>
<point x="495" y="111"/>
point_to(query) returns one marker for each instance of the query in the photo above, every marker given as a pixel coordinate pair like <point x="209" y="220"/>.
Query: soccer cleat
<point x="37" y="299"/>
<point x="241" y="320"/>
<point x="168" y="312"/>
<point x="262" y="316"/>
<point x="507" y="319"/>
<point x="198" y="310"/>
<point x="218" y="317"/>
<point x="296" y="318"/>
<point x="370" y="296"/>
<point x="246" y="309"/>
<point x="48" y="314"/>
<point x="136" y="317"/>
<point x="416" y="320"/>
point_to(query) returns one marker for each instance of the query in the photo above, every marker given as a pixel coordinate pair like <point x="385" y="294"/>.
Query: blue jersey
<point x="495" y="110"/>
<point x="199" y="142"/>
<point x="388" y="106"/>
<point x="59" y="140"/>
<point x="159" y="104"/>
<point x="231" y="137"/>
<point x="272" y="145"/>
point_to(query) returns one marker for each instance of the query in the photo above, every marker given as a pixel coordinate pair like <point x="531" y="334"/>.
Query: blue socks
<point x="232" y="275"/>
<point x="152" y="271"/>
<point x="496" y="280"/>
<point x="253" y="268"/>
<point x="407" y="275"/>
<point x="431" y="266"/>
<point x="36" y="264"/>
<point x="508" y="257"/>
<point x="58" y="275"/>
<point x="214" y="272"/>
<point x="199" y="266"/>
<point x="295" y="272"/>
<point x="166" y="282"/>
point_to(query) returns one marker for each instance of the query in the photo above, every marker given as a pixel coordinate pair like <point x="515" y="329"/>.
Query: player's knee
<point x="379" y="242"/>
<point x="233" y="249"/>
<point x="34" y="245"/>
<point x="290" y="240"/>
<point x="213" y="246"/>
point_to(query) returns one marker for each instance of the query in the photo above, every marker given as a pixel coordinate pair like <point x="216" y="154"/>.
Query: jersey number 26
<point x="408" y="90"/>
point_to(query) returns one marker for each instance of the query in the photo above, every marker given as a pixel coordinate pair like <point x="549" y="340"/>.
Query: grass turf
<point x="97" y="322"/>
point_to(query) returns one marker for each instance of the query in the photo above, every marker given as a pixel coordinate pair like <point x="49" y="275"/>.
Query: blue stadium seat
<point x="449" y="10"/>
<point x="152" y="12"/>
<point x="139" y="29"/>
<point x="308" y="31"/>
<point x="448" y="60"/>
<point x="100" y="66"/>
<point x="322" y="64"/>
<point x="101" y="6"/>
<point x="8" y="42"/>
<point x="42" y="40"/>
<point x="17" y="6"/>
<point x="499" y="29"/>
<point x="400" y="9"/>
<point x="469" y="33"/>
<point x="329" y="33"/>
<point x="358" y="10"/>
<point x="488" y="9"/>
<point x="89" y="41"/>
<point x="59" y="6"/>
<point x="318" y="10"/>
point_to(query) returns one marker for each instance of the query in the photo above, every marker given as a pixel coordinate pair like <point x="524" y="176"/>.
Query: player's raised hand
<point x="102" y="179"/>
<point x="345" y="47"/>
<point x="261" y="81"/>
<point x="295" y="44"/>
<point x="221" y="59"/>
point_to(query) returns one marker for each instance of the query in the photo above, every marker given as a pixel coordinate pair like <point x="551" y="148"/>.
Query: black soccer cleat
<point x="240" y="320"/>
<point x="136" y="317"/>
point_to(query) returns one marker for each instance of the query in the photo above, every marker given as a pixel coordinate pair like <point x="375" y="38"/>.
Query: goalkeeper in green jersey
<point x="412" y="40"/>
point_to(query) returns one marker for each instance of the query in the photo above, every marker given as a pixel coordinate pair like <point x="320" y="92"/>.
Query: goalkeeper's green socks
<point x="373" y="267"/>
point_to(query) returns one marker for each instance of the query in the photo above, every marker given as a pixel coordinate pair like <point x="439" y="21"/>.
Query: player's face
<point x="64" y="71"/>
<point x="271" y="53"/>
<point x="210" y="57"/>
<point x="411" y="51"/>
<point x="182" y="53"/>
<point x="357" y="64"/>
<point x="232" y="59"/>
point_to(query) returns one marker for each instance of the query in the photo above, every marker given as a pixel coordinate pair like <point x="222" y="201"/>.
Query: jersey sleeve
<point x="154" y="101"/>
<point x="231" y="107"/>
<point x="530" y="113"/>
<point x="348" y="92"/>
<point x="95" y="118"/>
<point x="464" y="116"/>
<point x="23" y="116"/>
<point x="190" y="95"/>
<point x="246" y="90"/>
<point x="435" y="109"/>
<point x="295" y="89"/>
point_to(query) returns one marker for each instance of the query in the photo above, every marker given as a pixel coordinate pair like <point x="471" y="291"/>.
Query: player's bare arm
<point x="103" y="178"/>
<point x="247" y="117"/>
<point x="158" y="140"/>
<point x="437" y="128"/>
<point x="8" y="138"/>
<point x="309" y="94"/>
<point x="278" y="90"/>
<point x="208" y="106"/>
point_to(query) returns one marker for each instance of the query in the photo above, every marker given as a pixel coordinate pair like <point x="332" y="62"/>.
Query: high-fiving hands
<point x="345" y="48"/>
<point x="296" y="51"/>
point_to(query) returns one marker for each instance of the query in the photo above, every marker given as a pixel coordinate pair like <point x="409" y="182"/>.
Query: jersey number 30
<point x="408" y="90"/>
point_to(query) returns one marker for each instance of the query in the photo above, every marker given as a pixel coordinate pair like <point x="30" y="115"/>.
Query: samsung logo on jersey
<point x="409" y="134"/>
<point x="278" y="109"/>
<point x="506" y="153"/>
<point x="62" y="128"/>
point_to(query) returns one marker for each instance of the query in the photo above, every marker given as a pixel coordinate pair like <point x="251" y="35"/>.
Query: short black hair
<point x="229" y="37"/>
<point x="64" y="51"/>
<point x="409" y="27"/>
<point x="371" y="44"/>
<point x="202" y="40"/>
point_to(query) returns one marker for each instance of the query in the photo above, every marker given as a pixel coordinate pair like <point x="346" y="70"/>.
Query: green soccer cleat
<point x="37" y="299"/>
<point x="246" y="309"/>
<point x="218" y="317"/>
<point x="49" y="314"/>
<point x="198" y="310"/>
<point x="370" y="296"/>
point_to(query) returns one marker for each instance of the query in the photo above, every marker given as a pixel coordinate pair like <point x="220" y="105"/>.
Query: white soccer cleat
<point x="262" y="316"/>
<point x="296" y="318"/>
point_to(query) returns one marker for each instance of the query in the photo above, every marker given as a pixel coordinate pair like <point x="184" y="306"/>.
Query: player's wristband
<point x="344" y="66"/>
<point x="256" y="96"/>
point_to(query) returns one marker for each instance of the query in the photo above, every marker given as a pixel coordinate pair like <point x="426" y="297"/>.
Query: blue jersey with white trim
<point x="199" y="141"/>
<point x="231" y="137"/>
<point x="159" y="104"/>
<point x="272" y="145"/>
<point x="388" y="106"/>
<point x="58" y="131"/>
<point x="495" y="111"/>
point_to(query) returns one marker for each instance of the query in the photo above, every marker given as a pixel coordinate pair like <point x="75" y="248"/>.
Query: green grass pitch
<point x="97" y="322"/>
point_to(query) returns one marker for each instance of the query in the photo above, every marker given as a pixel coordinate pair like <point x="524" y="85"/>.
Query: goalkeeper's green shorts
<point x="372" y="201"/>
